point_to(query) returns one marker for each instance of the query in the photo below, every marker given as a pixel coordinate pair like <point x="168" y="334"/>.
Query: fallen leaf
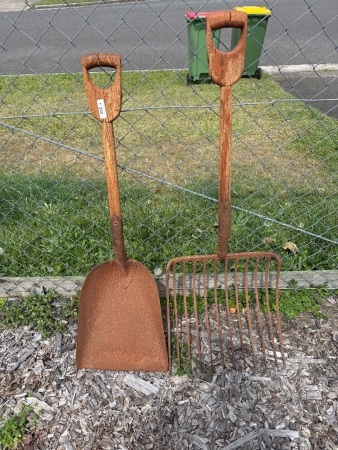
<point x="268" y="240"/>
<point x="290" y="247"/>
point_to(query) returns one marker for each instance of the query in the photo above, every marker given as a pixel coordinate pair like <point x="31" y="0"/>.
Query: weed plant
<point x="49" y="314"/>
<point x="293" y="300"/>
<point x="13" y="427"/>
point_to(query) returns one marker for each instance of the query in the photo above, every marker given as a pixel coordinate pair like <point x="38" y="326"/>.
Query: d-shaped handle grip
<point x="104" y="103"/>
<point x="225" y="68"/>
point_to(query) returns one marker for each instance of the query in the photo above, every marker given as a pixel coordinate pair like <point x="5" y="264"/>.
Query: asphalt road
<point x="153" y="35"/>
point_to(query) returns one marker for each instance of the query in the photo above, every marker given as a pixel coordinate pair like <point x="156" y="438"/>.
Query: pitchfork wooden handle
<point x="105" y="105"/>
<point x="224" y="180"/>
<point x="225" y="69"/>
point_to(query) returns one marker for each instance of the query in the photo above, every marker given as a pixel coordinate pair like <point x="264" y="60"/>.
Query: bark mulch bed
<point x="291" y="408"/>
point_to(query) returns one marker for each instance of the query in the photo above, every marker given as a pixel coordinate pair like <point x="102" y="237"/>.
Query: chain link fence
<point x="54" y="214"/>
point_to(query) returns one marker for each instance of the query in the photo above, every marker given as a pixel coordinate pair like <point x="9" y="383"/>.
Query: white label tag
<point x="102" y="108"/>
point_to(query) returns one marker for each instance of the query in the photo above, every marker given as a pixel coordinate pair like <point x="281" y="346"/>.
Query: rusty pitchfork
<point x="200" y="290"/>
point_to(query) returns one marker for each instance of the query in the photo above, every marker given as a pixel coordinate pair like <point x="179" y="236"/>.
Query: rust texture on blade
<point x="121" y="322"/>
<point x="203" y="292"/>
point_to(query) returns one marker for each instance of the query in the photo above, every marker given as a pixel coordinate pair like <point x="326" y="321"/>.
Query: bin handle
<point x="227" y="66"/>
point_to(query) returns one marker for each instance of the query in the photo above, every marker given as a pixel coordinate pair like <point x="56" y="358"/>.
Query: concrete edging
<point x="272" y="70"/>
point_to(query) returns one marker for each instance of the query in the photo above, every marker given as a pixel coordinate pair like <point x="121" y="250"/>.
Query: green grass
<point x="59" y="226"/>
<point x="162" y="116"/>
<point x="53" y="201"/>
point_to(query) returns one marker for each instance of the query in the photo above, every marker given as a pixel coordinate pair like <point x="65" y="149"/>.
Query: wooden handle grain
<point x="114" y="201"/>
<point x="225" y="68"/>
<point x="105" y="105"/>
<point x="109" y="98"/>
<point x="224" y="180"/>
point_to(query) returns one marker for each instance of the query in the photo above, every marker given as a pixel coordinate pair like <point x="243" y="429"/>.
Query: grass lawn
<point x="53" y="202"/>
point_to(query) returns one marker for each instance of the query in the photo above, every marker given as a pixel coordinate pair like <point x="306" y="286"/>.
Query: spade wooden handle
<point x="225" y="68"/>
<point x="105" y="105"/>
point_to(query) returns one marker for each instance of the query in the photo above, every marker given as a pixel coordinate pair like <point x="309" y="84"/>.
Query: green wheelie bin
<point x="197" y="51"/>
<point x="258" y="17"/>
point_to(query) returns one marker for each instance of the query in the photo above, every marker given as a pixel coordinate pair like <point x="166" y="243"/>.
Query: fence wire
<point x="54" y="214"/>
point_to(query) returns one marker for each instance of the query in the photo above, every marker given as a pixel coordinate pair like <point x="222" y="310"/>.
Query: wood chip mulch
<point x="291" y="408"/>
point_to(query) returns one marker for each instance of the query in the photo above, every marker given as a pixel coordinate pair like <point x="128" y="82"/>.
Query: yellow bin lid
<point x="254" y="10"/>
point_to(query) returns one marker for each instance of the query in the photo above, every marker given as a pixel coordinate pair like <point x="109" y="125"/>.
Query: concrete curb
<point x="78" y="5"/>
<point x="71" y="285"/>
<point x="21" y="5"/>
<point x="272" y="70"/>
